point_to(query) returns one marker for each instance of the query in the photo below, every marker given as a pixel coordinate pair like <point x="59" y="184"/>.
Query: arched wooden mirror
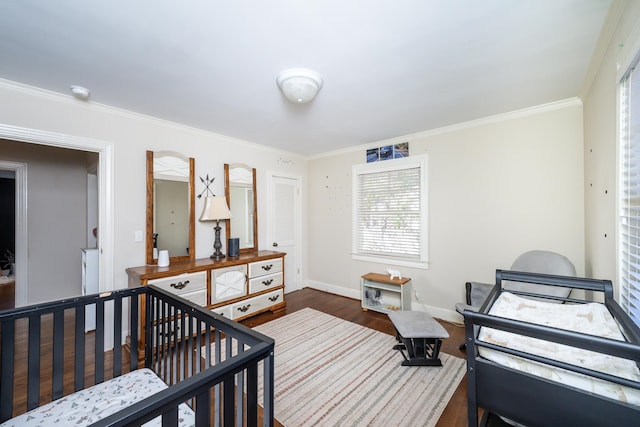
<point x="240" y="190"/>
<point x="170" y="206"/>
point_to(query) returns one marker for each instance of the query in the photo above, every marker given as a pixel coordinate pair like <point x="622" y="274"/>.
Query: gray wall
<point x="56" y="217"/>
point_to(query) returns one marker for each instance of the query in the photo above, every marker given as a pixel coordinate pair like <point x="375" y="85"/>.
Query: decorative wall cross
<point x="207" y="182"/>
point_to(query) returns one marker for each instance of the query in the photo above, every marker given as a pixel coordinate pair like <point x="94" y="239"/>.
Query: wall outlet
<point x="137" y="237"/>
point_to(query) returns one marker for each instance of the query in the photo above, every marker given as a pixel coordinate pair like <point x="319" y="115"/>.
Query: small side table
<point x="381" y="293"/>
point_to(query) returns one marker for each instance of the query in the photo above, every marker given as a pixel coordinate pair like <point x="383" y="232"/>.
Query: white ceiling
<point x="390" y="67"/>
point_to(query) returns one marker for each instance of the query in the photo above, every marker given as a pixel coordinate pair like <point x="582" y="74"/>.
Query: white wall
<point x="56" y="218"/>
<point x="497" y="188"/>
<point x="131" y="135"/>
<point x="600" y="140"/>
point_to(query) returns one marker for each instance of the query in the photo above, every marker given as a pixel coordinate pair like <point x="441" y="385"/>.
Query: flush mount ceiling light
<point x="299" y="85"/>
<point x="79" y="92"/>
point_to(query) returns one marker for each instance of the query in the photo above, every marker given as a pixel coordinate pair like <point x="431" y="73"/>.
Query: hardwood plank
<point x="7" y="295"/>
<point x="346" y="308"/>
<point x="454" y="415"/>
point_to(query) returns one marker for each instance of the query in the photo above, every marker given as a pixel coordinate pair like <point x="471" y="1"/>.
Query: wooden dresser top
<point x="152" y="271"/>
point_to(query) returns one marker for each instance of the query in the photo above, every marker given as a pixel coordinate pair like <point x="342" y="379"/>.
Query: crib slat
<point x="79" y="350"/>
<point x="174" y="349"/>
<point x="163" y="334"/>
<point x="170" y="418"/>
<point x="267" y="380"/>
<point x="7" y="365"/>
<point x="229" y="400"/>
<point x="58" y="354"/>
<point x="203" y="413"/>
<point x="182" y="348"/>
<point x="99" y="342"/>
<point x="252" y="395"/>
<point x="33" y="370"/>
<point x="117" y="336"/>
<point x="134" y="327"/>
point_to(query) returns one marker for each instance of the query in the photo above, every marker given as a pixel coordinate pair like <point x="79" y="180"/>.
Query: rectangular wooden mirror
<point x="170" y="206"/>
<point x="240" y="190"/>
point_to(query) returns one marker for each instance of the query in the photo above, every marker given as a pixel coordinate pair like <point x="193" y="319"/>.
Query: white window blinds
<point x="629" y="228"/>
<point x="390" y="210"/>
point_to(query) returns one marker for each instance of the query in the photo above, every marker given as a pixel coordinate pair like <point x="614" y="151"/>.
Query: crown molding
<point x="530" y="111"/>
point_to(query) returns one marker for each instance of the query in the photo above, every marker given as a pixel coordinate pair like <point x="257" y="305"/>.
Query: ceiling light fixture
<point x="79" y="92"/>
<point x="299" y="85"/>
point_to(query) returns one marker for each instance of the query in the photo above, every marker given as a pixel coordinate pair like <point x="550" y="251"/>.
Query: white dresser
<point x="236" y="288"/>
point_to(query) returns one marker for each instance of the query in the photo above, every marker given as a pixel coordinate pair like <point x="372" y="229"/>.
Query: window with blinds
<point x="629" y="203"/>
<point x="390" y="212"/>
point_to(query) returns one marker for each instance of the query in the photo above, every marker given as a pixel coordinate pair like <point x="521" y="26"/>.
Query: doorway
<point x="284" y="224"/>
<point x="7" y="238"/>
<point x="105" y="203"/>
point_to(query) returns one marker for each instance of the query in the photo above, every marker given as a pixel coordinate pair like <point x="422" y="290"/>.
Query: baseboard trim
<point x="438" y="312"/>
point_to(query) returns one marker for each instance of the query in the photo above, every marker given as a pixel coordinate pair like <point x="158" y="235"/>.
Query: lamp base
<point x="217" y="244"/>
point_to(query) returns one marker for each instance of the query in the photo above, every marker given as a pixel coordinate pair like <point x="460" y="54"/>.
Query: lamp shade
<point x="215" y="208"/>
<point x="299" y="85"/>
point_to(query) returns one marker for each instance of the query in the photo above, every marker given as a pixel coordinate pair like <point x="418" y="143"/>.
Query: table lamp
<point x="216" y="209"/>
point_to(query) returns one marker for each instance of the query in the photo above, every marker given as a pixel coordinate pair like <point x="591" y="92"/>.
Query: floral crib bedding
<point x="87" y="406"/>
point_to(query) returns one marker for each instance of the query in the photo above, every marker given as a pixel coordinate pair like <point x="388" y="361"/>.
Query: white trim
<point x="391" y="262"/>
<point x="525" y="112"/>
<point x="105" y="177"/>
<point x="419" y="161"/>
<point x="629" y="51"/>
<point x="437" y="312"/>
<point x="95" y="106"/>
<point x="616" y="12"/>
<point x="334" y="289"/>
<point x="20" y="273"/>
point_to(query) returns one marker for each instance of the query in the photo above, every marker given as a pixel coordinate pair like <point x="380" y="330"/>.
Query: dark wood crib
<point x="221" y="370"/>
<point x="541" y="401"/>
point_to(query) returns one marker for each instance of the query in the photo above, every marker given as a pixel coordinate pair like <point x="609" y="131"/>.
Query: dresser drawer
<point x="255" y="304"/>
<point x="225" y="311"/>
<point x="261" y="268"/>
<point x="182" y="283"/>
<point x="228" y="283"/>
<point x="258" y="284"/>
<point x="198" y="297"/>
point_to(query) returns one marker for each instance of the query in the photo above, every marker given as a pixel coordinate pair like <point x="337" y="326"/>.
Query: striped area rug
<point x="329" y="371"/>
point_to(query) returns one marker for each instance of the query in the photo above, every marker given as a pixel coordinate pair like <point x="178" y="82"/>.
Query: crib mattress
<point x="592" y="318"/>
<point x="99" y="401"/>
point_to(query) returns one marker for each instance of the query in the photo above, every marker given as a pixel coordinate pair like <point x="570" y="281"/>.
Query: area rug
<point x="329" y="371"/>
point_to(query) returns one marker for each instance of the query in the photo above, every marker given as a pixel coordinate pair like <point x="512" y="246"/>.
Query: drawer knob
<point x="244" y="308"/>
<point x="274" y="298"/>
<point x="267" y="267"/>
<point x="267" y="282"/>
<point x="180" y="285"/>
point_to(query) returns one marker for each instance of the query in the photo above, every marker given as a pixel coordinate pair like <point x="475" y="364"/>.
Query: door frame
<point x="105" y="198"/>
<point x="297" y="215"/>
<point x="20" y="250"/>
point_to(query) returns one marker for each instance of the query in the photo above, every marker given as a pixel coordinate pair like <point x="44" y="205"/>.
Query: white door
<point x="284" y="224"/>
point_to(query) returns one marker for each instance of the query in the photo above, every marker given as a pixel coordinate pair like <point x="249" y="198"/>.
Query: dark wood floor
<point x="7" y="295"/>
<point x="455" y="414"/>
<point x="345" y="308"/>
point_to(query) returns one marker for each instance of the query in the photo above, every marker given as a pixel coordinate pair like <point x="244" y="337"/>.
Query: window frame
<point x="419" y="161"/>
<point x="628" y="253"/>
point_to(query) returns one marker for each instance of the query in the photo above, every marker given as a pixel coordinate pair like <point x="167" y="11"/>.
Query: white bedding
<point x="99" y="401"/>
<point x="592" y="318"/>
